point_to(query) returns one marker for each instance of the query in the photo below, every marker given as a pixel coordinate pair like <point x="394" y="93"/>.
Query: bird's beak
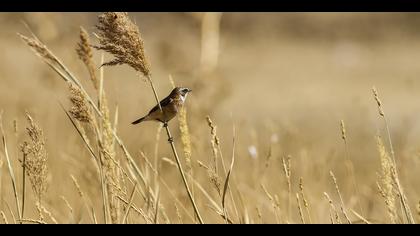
<point x="189" y="90"/>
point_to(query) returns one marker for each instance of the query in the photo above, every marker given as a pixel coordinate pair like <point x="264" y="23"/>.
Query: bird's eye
<point x="185" y="90"/>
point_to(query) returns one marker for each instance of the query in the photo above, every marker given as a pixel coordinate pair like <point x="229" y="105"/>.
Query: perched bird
<point x="170" y="106"/>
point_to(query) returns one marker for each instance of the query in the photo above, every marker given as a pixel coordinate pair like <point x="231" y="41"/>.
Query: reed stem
<point x="178" y="162"/>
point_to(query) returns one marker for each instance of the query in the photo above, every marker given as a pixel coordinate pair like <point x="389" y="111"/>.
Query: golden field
<point x="275" y="85"/>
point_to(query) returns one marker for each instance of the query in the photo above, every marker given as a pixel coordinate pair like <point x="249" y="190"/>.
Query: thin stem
<point x="350" y="169"/>
<point x="229" y="187"/>
<point x="154" y="92"/>
<point x="227" y="177"/>
<point x="178" y="162"/>
<point x="390" y="141"/>
<point x="9" y="164"/>
<point x="129" y="204"/>
<point x="403" y="199"/>
<point x="23" y="184"/>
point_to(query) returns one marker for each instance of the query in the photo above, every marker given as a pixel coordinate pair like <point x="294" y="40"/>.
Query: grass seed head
<point x="80" y="109"/>
<point x="35" y="158"/>
<point x="120" y="36"/>
<point x="84" y="51"/>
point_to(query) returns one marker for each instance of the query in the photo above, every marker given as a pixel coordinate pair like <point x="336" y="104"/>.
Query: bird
<point x="170" y="107"/>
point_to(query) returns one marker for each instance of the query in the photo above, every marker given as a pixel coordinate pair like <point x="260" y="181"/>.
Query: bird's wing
<point x="163" y="103"/>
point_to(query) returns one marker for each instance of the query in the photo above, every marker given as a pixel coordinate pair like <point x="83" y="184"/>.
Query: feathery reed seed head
<point x="120" y="36"/>
<point x="84" y="51"/>
<point x="185" y="136"/>
<point x="378" y="101"/>
<point x="39" y="48"/>
<point x="387" y="189"/>
<point x="80" y="109"/>
<point x="35" y="158"/>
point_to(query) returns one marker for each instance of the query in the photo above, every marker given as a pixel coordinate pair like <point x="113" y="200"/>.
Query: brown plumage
<point x="170" y="106"/>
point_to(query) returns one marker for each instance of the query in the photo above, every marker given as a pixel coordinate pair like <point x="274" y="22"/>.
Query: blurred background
<point x="284" y="79"/>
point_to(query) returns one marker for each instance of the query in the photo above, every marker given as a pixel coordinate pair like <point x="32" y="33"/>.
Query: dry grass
<point x="88" y="165"/>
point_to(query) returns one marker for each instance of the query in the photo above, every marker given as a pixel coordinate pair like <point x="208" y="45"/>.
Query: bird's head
<point x="182" y="92"/>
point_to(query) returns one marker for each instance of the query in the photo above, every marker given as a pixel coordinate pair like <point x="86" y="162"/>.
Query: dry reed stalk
<point x="214" y="205"/>
<point x="10" y="168"/>
<point x="382" y="114"/>
<point x="80" y="131"/>
<point x="38" y="208"/>
<point x="287" y="172"/>
<point x="156" y="151"/>
<point x="133" y="206"/>
<point x="155" y="218"/>
<point x="119" y="36"/>
<point x="402" y="197"/>
<point x="213" y="172"/>
<point x="11" y="212"/>
<point x="273" y="202"/>
<point x="41" y="222"/>
<point x="23" y="184"/>
<point x="387" y="189"/>
<point x="108" y="156"/>
<point x="80" y="109"/>
<point x="3" y="217"/>
<point x="215" y="180"/>
<point x="52" y="61"/>
<point x="106" y="141"/>
<point x="214" y="142"/>
<point x="84" y="50"/>
<point x="305" y="201"/>
<point x="68" y="206"/>
<point x="127" y="211"/>
<point x="302" y="219"/>
<point x="349" y="164"/>
<point x="226" y="185"/>
<point x="343" y="208"/>
<point x="333" y="209"/>
<point x="81" y="195"/>
<point x="49" y="214"/>
<point x="360" y="217"/>
<point x="162" y="181"/>
<point x="185" y="139"/>
<point x="15" y="130"/>
<point x="169" y="161"/>
<point x="36" y="159"/>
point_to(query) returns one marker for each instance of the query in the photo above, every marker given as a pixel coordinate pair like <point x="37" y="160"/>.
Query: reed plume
<point x="79" y="109"/>
<point x="119" y="36"/>
<point x="35" y="158"/>
<point x="387" y="187"/>
<point x="84" y="51"/>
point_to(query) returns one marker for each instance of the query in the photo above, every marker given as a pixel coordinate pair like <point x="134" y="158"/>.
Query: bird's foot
<point x="170" y="139"/>
<point x="165" y="124"/>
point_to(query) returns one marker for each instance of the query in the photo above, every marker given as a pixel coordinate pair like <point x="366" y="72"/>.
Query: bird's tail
<point x="139" y="120"/>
